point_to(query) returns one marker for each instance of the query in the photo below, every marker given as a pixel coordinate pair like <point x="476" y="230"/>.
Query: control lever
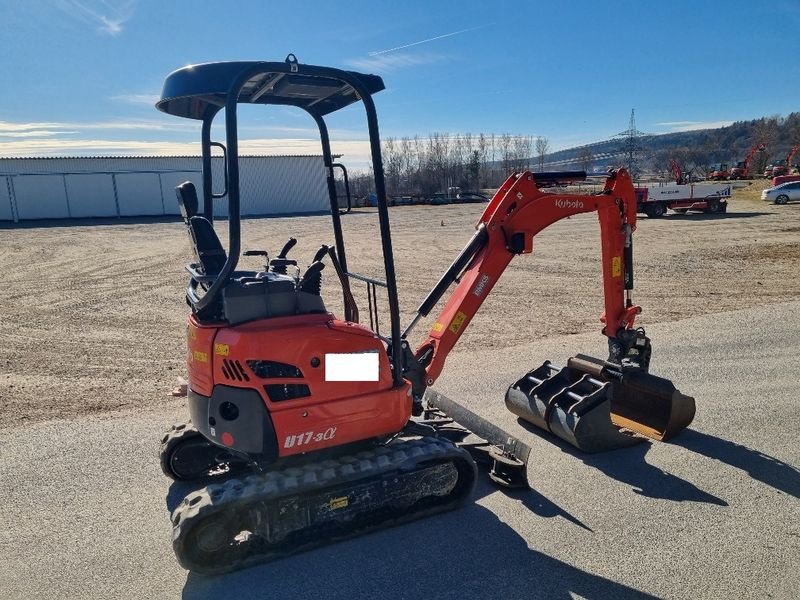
<point x="312" y="278"/>
<point x="320" y="253"/>
<point x="280" y="263"/>
<point x="288" y="246"/>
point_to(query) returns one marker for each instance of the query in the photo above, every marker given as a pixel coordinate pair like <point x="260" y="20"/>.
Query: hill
<point x="698" y="149"/>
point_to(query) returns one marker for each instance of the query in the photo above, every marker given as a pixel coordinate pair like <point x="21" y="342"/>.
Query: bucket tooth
<point x="572" y="405"/>
<point x="596" y="405"/>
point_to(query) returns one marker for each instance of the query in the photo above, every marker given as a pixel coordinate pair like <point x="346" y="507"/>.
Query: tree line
<point x="423" y="166"/>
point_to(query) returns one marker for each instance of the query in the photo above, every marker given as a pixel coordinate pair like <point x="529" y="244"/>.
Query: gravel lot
<point x="711" y="515"/>
<point x="93" y="342"/>
<point x="93" y="313"/>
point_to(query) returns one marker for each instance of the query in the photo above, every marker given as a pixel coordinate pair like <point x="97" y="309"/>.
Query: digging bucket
<point x="642" y="403"/>
<point x="596" y="407"/>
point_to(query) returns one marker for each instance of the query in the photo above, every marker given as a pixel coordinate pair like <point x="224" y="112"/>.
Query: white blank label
<point x="362" y="366"/>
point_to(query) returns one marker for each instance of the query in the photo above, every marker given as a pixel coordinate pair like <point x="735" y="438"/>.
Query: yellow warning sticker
<point x="457" y="322"/>
<point x="222" y="349"/>
<point x="337" y="503"/>
<point x="616" y="266"/>
<point x="437" y="327"/>
<point x="200" y="356"/>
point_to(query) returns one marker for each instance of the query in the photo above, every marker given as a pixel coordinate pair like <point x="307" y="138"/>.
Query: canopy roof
<point x="190" y="91"/>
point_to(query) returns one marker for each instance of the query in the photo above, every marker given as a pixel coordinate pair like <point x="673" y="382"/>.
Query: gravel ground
<point x="712" y="515"/>
<point x="93" y="313"/>
<point x="93" y="341"/>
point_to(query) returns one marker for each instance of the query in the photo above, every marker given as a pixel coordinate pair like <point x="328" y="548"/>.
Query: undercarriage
<point x="263" y="516"/>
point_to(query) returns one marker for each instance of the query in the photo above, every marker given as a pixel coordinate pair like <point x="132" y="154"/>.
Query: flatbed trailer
<point x="655" y="200"/>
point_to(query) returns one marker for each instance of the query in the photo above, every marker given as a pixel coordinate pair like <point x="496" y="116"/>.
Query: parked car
<point x="471" y="197"/>
<point x="781" y="194"/>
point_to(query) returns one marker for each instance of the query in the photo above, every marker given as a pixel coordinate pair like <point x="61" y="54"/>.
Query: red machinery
<point x="312" y="428"/>
<point x="742" y="169"/>
<point x="786" y="167"/>
<point x="678" y="174"/>
<point x="719" y="172"/>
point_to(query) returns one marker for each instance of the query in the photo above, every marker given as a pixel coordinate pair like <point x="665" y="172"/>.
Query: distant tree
<point x="474" y="170"/>
<point x="506" y="154"/>
<point x="392" y="162"/>
<point x="542" y="148"/>
<point x="483" y="150"/>
<point x="521" y="152"/>
<point x="766" y="131"/>
<point x="586" y="158"/>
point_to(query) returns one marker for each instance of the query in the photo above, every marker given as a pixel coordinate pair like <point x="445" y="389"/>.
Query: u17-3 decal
<point x="301" y="439"/>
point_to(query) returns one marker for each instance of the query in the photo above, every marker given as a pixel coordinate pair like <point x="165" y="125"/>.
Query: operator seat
<point x="205" y="243"/>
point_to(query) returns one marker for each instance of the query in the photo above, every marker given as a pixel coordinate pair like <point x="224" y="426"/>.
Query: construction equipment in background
<point x="678" y="174"/>
<point x="307" y="428"/>
<point x="654" y="200"/>
<point x="682" y="196"/>
<point x="742" y="168"/>
<point x="719" y="172"/>
<point x="782" y="167"/>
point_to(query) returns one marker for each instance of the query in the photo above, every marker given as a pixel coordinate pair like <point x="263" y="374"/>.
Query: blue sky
<point x="80" y="76"/>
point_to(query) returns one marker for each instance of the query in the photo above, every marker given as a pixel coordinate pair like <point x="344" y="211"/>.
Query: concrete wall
<point x="60" y="188"/>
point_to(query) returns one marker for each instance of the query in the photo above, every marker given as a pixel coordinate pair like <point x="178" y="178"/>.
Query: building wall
<point x="60" y="188"/>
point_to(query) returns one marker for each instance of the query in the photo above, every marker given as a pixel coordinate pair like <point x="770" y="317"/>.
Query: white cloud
<point x="433" y="39"/>
<point x="138" y="99"/>
<point x="106" y="16"/>
<point x="34" y="134"/>
<point x="677" y="126"/>
<point x="383" y="63"/>
<point x="9" y="129"/>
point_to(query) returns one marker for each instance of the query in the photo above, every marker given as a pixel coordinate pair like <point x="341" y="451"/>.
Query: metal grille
<point x="233" y="370"/>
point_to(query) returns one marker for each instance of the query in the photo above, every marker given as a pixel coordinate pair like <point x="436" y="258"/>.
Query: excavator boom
<point x="515" y="215"/>
<point x="594" y="404"/>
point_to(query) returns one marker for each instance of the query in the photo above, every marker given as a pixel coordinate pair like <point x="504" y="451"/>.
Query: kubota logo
<point x="561" y="203"/>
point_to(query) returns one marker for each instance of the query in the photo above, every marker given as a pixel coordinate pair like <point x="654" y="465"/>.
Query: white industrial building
<point x="64" y="188"/>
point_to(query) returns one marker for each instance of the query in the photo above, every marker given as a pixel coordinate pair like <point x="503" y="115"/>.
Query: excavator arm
<point x="515" y="215"/>
<point x="591" y="403"/>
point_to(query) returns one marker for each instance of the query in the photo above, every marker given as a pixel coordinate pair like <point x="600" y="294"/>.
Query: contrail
<point x="438" y="37"/>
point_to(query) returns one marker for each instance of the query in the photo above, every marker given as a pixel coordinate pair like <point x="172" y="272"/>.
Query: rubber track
<point x="243" y="493"/>
<point x="176" y="433"/>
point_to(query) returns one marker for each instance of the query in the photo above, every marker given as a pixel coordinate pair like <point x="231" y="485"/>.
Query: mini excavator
<point x="307" y="428"/>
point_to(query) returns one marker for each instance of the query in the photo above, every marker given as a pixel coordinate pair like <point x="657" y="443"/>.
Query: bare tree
<point x="766" y="132"/>
<point x="506" y="154"/>
<point x="485" y="175"/>
<point x="392" y="161"/>
<point x="523" y="148"/>
<point x="542" y="148"/>
<point x="586" y="158"/>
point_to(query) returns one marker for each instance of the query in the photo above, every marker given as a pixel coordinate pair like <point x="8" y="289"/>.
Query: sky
<point x="81" y="77"/>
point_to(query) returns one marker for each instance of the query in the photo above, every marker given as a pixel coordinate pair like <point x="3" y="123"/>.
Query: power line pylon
<point x="631" y="145"/>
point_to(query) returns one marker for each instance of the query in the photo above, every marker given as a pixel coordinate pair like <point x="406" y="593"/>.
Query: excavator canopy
<point x="190" y="91"/>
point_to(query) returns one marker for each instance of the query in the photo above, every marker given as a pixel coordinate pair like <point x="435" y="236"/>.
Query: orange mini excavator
<point x="307" y="428"/>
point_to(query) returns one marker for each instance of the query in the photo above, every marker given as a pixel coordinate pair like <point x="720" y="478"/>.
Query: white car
<point x="781" y="194"/>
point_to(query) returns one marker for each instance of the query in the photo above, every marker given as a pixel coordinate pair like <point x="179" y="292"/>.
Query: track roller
<point x="186" y="455"/>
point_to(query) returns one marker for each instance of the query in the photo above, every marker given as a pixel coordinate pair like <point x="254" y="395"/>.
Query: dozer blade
<point x="596" y="406"/>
